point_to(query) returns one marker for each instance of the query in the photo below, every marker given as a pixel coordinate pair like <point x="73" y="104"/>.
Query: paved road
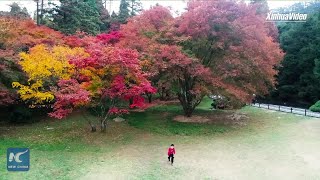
<point x="288" y="109"/>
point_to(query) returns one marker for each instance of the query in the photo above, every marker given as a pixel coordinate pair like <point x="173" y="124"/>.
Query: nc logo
<point x="18" y="159"/>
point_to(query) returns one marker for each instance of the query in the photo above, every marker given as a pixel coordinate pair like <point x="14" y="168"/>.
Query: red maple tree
<point x="18" y="35"/>
<point x="218" y="47"/>
<point x="107" y="80"/>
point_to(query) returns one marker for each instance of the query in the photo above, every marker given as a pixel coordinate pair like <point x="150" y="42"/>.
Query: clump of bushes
<point x="222" y="102"/>
<point x="214" y="104"/>
<point x="20" y="114"/>
<point x="315" y="107"/>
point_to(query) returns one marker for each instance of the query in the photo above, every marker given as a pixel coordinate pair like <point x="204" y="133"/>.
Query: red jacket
<point x="171" y="151"/>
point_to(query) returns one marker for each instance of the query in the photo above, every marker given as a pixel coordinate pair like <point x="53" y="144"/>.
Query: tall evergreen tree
<point x="76" y="15"/>
<point x="124" y="12"/>
<point x="15" y="10"/>
<point x="115" y="24"/>
<point x="298" y="81"/>
<point x="135" y="7"/>
<point x="127" y="9"/>
<point x="104" y="16"/>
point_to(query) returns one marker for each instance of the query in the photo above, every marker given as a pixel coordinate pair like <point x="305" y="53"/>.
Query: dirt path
<point x="275" y="150"/>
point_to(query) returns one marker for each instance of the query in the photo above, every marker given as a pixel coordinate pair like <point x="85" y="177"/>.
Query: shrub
<point x="20" y="114"/>
<point x="214" y="104"/>
<point x="315" y="107"/>
<point x="222" y="103"/>
<point x="227" y="103"/>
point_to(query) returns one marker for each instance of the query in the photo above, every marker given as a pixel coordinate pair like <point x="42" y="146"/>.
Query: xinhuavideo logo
<point x="18" y="159"/>
<point x="287" y="17"/>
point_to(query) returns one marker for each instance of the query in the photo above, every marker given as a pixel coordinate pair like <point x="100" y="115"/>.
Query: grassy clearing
<point x="136" y="148"/>
<point x="159" y="120"/>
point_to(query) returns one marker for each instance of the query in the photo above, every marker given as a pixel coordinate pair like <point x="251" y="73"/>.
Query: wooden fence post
<point x="305" y="112"/>
<point x="279" y="107"/>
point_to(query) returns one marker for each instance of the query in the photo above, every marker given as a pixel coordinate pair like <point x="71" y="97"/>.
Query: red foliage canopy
<point x="235" y="42"/>
<point x="69" y="96"/>
<point x="110" y="75"/>
<point x="221" y="46"/>
<point x="18" y="35"/>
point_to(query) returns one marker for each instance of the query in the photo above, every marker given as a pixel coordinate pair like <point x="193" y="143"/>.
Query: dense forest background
<point x="297" y="82"/>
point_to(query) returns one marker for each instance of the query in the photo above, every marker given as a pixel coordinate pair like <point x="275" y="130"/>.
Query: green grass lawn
<point x="159" y="120"/>
<point x="136" y="149"/>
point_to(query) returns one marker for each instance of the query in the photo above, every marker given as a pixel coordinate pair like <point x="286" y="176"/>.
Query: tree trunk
<point x="131" y="101"/>
<point x="37" y="13"/>
<point x="188" y="101"/>
<point x="167" y="97"/>
<point x="103" y="126"/>
<point x="188" y="112"/>
<point x="186" y="105"/>
<point x="93" y="127"/>
<point x="161" y="93"/>
<point x="41" y="16"/>
<point x="149" y="95"/>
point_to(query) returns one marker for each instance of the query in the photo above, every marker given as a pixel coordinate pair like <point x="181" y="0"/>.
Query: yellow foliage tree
<point x="43" y="65"/>
<point x="33" y="92"/>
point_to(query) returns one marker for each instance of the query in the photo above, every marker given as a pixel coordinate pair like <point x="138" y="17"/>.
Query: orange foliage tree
<point x="18" y="35"/>
<point x="96" y="75"/>
<point x="214" y="47"/>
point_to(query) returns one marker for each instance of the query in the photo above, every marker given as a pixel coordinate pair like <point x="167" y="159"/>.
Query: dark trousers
<point x="171" y="157"/>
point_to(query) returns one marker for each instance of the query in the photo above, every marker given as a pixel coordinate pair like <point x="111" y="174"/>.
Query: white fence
<point x="300" y="111"/>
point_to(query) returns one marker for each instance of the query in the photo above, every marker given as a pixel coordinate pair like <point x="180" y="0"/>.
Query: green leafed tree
<point x="16" y="11"/>
<point x="127" y="9"/>
<point x="77" y="15"/>
<point x="104" y="16"/>
<point x="298" y="77"/>
<point x="135" y="7"/>
<point x="124" y="12"/>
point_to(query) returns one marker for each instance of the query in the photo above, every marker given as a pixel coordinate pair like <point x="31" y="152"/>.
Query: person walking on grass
<point x="171" y="153"/>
